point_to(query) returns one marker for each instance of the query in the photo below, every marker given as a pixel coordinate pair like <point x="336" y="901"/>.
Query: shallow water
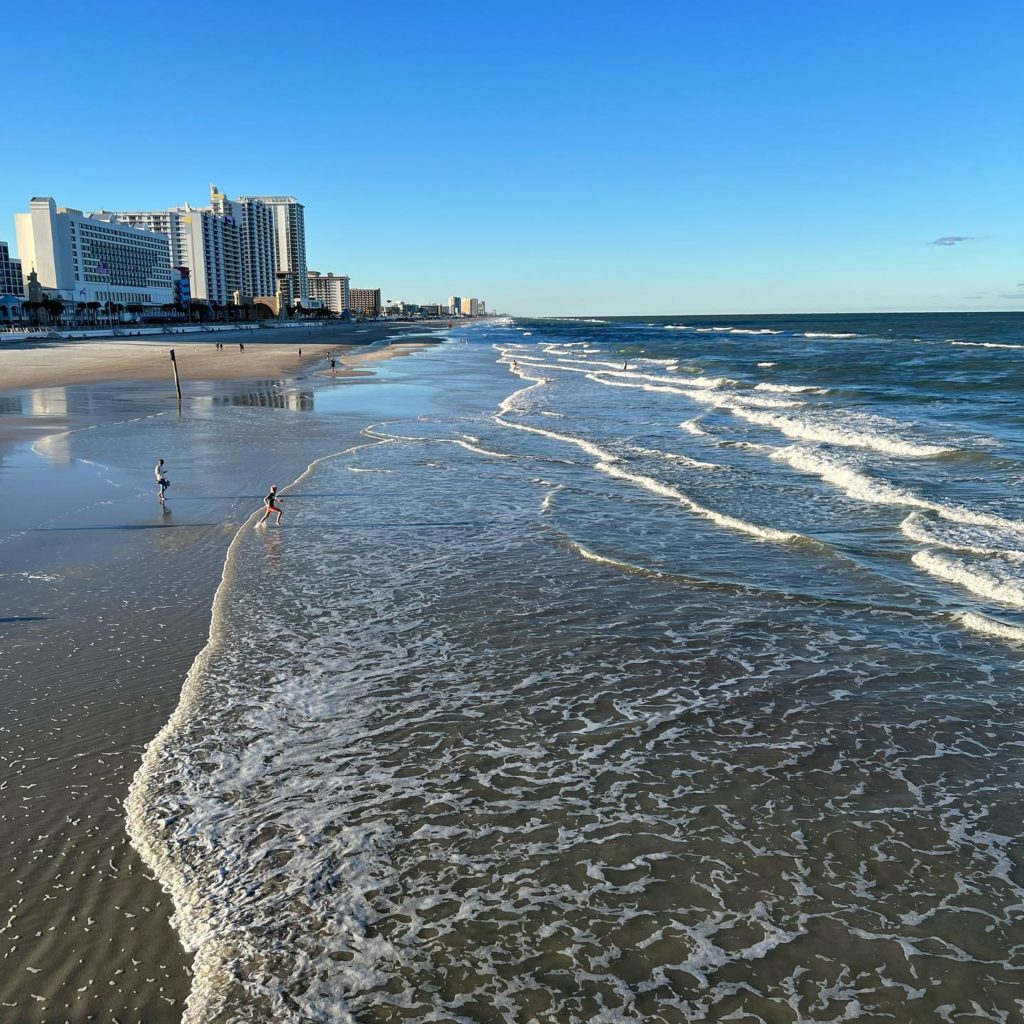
<point x="540" y="707"/>
<point x="106" y="599"/>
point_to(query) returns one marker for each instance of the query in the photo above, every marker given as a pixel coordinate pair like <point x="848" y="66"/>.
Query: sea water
<point x="652" y="670"/>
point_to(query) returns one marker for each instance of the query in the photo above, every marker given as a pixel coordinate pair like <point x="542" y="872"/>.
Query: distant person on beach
<point x="300" y="353"/>
<point x="334" y="367"/>
<point x="161" y="479"/>
<point x="625" y="365"/>
<point x="272" y="506"/>
<point x="241" y="347"/>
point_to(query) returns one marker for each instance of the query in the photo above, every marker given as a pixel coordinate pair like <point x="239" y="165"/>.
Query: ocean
<point x="643" y="669"/>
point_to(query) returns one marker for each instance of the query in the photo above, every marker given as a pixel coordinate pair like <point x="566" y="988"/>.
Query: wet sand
<point x="106" y="600"/>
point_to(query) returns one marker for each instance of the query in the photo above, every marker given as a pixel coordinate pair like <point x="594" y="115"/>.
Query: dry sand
<point x="266" y="354"/>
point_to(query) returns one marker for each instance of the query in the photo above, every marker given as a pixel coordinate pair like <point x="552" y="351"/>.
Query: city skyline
<point x="747" y="159"/>
<point x="230" y="252"/>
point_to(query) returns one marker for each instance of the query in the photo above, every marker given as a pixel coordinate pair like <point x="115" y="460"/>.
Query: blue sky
<point x="557" y="158"/>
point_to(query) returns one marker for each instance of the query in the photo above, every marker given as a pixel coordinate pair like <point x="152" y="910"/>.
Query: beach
<point x="639" y="669"/>
<point x="107" y="601"/>
<point x="268" y="352"/>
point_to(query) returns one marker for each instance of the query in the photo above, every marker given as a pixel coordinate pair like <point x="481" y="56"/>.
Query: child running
<point x="161" y="479"/>
<point x="271" y="501"/>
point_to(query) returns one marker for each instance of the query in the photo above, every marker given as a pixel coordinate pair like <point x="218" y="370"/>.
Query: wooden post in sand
<point x="177" y="383"/>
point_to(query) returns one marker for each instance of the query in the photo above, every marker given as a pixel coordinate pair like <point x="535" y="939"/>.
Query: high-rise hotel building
<point x="200" y="240"/>
<point x="93" y="257"/>
<point x="11" y="282"/>
<point x="365" y="301"/>
<point x="331" y="290"/>
<point x="229" y="247"/>
<point x="257" y="240"/>
<point x="290" y="232"/>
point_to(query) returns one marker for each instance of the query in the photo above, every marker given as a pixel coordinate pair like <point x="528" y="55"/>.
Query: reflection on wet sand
<point x="269" y="397"/>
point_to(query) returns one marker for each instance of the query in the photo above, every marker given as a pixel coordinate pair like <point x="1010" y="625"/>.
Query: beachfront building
<point x="365" y="301"/>
<point x="11" y="282"/>
<point x="82" y="258"/>
<point x="257" y="240"/>
<point x="331" y="290"/>
<point x="470" y="307"/>
<point x="454" y="305"/>
<point x="289" y="217"/>
<point x="12" y="287"/>
<point x="202" y="241"/>
<point x="229" y="247"/>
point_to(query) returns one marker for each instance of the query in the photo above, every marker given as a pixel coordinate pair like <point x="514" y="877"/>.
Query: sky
<point x="558" y="158"/>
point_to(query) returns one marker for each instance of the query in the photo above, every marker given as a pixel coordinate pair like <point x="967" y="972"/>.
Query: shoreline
<point x="269" y="352"/>
<point x="92" y="600"/>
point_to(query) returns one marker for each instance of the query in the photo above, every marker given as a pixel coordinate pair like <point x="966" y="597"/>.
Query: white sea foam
<point x="686" y="382"/>
<point x="984" y="344"/>
<point x="666" y="389"/>
<point x="794" y="389"/>
<point x="730" y="522"/>
<point x="752" y="331"/>
<point x="693" y="427"/>
<point x="545" y="505"/>
<point x="512" y="401"/>
<point x="992" y="627"/>
<point x="760" y="402"/>
<point x="827" y="334"/>
<point x="606" y="376"/>
<point x="590" y="362"/>
<point x="593" y="556"/>
<point x="469" y="446"/>
<point x="992" y="579"/>
<point x="607" y="463"/>
<point x="849" y="434"/>
<point x="856" y="484"/>
<point x="879" y="492"/>
<point x="972" y="539"/>
<point x="656" y="453"/>
<point x="766" y="365"/>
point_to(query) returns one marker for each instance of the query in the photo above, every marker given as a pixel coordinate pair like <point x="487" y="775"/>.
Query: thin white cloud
<point x="951" y="239"/>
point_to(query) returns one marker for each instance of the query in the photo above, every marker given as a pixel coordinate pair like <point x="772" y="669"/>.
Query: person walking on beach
<point x="334" y="368"/>
<point x="271" y="501"/>
<point x="241" y="347"/>
<point x="161" y="479"/>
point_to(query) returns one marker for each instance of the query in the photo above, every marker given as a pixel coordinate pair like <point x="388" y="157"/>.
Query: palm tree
<point x="54" y="309"/>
